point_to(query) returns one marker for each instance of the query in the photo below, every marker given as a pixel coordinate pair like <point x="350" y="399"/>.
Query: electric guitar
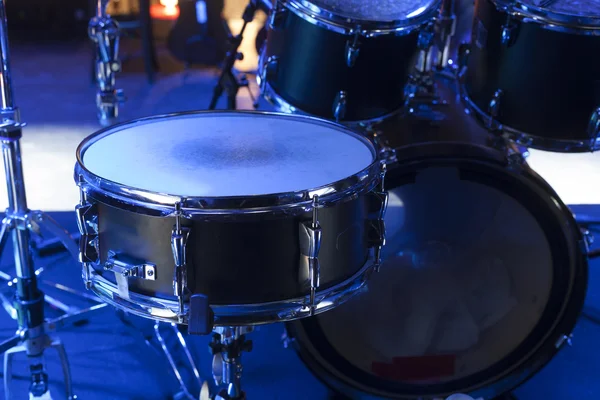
<point x="198" y="36"/>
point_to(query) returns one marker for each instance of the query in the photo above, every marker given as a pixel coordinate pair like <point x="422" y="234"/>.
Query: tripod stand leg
<point x="64" y="362"/>
<point x="4" y="230"/>
<point x="8" y="307"/>
<point x="62" y="235"/>
<point x="8" y="357"/>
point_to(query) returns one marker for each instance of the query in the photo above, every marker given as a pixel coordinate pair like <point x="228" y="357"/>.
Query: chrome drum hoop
<point x="236" y="315"/>
<point x="547" y="19"/>
<point x="524" y="139"/>
<point x="348" y="26"/>
<point x="161" y="204"/>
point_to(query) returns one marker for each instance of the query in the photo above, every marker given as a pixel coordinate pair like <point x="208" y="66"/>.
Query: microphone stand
<point x="32" y="335"/>
<point x="228" y="83"/>
<point x="104" y="32"/>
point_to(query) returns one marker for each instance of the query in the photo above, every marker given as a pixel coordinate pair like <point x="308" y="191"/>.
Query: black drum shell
<point x="550" y="80"/>
<point x="311" y="69"/>
<point x="449" y="137"/>
<point x="245" y="260"/>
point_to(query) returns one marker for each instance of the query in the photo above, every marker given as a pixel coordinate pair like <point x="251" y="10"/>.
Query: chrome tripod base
<point x="185" y="392"/>
<point x="33" y="342"/>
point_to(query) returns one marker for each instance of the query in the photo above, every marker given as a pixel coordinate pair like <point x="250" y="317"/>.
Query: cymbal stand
<point x="104" y="32"/>
<point x="32" y="335"/>
<point x="227" y="347"/>
<point x="228" y="83"/>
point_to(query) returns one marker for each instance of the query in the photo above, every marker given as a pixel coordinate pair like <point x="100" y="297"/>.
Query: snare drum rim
<point x="163" y="204"/>
<point x="551" y="20"/>
<point x="349" y="26"/>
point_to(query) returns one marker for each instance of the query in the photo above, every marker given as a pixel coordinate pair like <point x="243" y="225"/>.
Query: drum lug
<point x="352" y="50"/>
<point x="376" y="226"/>
<point x="494" y="109"/>
<point x="564" y="339"/>
<point x="310" y="234"/>
<point x="277" y="16"/>
<point x="87" y="222"/>
<point x="594" y="128"/>
<point x="268" y="70"/>
<point x="179" y="238"/>
<point x="425" y="43"/>
<point x="509" y="32"/>
<point x="130" y="267"/>
<point x="339" y="105"/>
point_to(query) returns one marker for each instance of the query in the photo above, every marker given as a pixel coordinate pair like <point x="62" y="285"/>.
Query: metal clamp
<point x="353" y="49"/>
<point x="376" y="225"/>
<point x="310" y="243"/>
<point x="130" y="267"/>
<point x="339" y="105"/>
<point x="179" y="239"/>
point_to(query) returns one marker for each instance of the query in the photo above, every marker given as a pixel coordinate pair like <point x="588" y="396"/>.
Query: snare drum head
<point x="582" y="8"/>
<point x="226" y="154"/>
<point x="481" y="277"/>
<point x="376" y="10"/>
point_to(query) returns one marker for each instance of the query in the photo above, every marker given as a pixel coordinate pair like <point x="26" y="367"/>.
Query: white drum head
<point x="227" y="154"/>
<point x="376" y="10"/>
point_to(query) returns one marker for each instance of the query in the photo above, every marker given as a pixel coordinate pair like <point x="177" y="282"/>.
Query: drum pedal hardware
<point x="104" y="32"/>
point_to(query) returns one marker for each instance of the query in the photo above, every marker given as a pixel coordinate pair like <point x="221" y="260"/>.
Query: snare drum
<point x="263" y="217"/>
<point x="484" y="274"/>
<point x="347" y="60"/>
<point x="532" y="75"/>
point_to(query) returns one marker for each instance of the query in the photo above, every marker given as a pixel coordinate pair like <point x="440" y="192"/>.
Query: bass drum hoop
<point x="522" y="138"/>
<point x="305" y="333"/>
<point x="348" y="26"/>
<point x="551" y="20"/>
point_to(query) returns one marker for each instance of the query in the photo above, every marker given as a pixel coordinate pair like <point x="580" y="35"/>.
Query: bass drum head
<point x="482" y="275"/>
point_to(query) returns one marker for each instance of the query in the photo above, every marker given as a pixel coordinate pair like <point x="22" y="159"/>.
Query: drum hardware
<point x="445" y="27"/>
<point x="353" y="48"/>
<point x="425" y="42"/>
<point x="227" y="346"/>
<point x="32" y="336"/>
<point x="510" y="30"/>
<point x="228" y="83"/>
<point x="185" y="391"/>
<point x="339" y="105"/>
<point x="104" y="32"/>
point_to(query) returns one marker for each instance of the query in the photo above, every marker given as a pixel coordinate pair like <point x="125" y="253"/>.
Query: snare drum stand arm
<point x="228" y="83"/>
<point x="227" y="347"/>
<point x="32" y="337"/>
<point x="104" y="32"/>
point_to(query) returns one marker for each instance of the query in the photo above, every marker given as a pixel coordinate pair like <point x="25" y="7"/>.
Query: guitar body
<point x="198" y="36"/>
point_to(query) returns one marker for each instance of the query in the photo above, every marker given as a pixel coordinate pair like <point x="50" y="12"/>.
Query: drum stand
<point x="227" y="347"/>
<point x="228" y="83"/>
<point x="32" y="335"/>
<point x="104" y="32"/>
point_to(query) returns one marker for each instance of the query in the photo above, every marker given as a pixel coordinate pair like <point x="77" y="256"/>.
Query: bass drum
<point x="484" y="273"/>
